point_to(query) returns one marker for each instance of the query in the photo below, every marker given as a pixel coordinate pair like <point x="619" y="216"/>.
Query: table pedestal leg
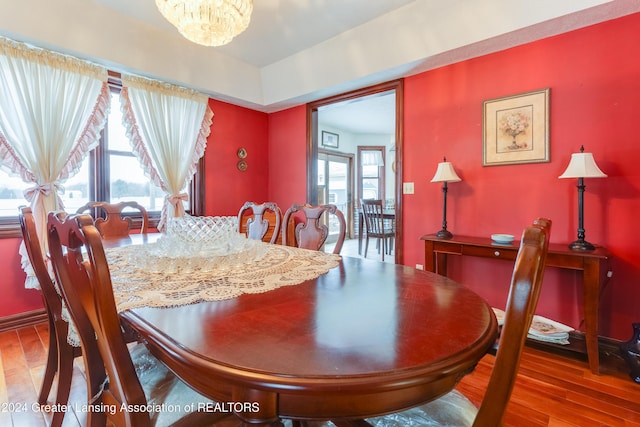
<point x="261" y="408"/>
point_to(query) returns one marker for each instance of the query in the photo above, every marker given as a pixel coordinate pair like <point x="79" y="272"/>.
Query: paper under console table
<point x="592" y="264"/>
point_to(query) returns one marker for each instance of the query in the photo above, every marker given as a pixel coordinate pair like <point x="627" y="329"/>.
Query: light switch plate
<point x="407" y="188"/>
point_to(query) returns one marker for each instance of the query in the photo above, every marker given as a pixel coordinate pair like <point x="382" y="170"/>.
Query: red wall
<point x="594" y="77"/>
<point x="15" y="298"/>
<point x="227" y="188"/>
<point x="288" y="157"/>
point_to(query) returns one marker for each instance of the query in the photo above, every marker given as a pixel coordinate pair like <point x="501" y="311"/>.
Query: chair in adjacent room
<point x="375" y="226"/>
<point x="311" y="232"/>
<point x="454" y="409"/>
<point x="60" y="353"/>
<point x="264" y="224"/>
<point x="110" y="220"/>
<point x="118" y="376"/>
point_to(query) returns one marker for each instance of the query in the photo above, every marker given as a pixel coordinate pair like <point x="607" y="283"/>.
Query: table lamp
<point x="445" y="174"/>
<point x="582" y="165"/>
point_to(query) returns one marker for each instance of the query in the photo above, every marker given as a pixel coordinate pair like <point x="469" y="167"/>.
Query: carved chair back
<point x="454" y="409"/>
<point x="110" y="221"/>
<point x="86" y="286"/>
<point x="311" y="233"/>
<point x="524" y="292"/>
<point x="60" y="353"/>
<point x="258" y="226"/>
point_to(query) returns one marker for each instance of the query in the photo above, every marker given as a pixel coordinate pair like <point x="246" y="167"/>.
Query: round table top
<point x="365" y="328"/>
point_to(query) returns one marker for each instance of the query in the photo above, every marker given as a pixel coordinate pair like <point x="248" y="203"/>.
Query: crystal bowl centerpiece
<point x="203" y="243"/>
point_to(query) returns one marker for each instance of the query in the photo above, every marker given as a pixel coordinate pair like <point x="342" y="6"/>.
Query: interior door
<point x="335" y="185"/>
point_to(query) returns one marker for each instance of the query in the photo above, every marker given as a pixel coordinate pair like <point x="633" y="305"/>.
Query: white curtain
<point x="52" y="109"/>
<point x="168" y="128"/>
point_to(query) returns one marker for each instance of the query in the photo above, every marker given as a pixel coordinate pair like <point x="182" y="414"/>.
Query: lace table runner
<point x="136" y="287"/>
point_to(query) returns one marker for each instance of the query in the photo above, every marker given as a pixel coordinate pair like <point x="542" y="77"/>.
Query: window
<point x="122" y="177"/>
<point x="11" y="194"/>
<point x="371" y="176"/>
<point x="76" y="190"/>
<point x="111" y="172"/>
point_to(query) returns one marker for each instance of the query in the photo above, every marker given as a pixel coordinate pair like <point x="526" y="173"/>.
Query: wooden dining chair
<point x="60" y="354"/>
<point x="115" y="379"/>
<point x="254" y="220"/>
<point x="454" y="409"/>
<point x="110" y="220"/>
<point x="375" y="227"/>
<point x="310" y="232"/>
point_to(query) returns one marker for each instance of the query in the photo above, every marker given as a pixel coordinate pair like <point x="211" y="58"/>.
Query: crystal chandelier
<point x="207" y="22"/>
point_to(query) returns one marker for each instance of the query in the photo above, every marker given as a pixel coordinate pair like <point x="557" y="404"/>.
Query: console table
<point x="590" y="263"/>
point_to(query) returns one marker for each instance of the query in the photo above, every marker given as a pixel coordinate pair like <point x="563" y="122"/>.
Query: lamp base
<point x="444" y="234"/>
<point x="581" y="245"/>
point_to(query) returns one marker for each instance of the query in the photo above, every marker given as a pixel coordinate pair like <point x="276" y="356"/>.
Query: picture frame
<point x="330" y="139"/>
<point x="515" y="129"/>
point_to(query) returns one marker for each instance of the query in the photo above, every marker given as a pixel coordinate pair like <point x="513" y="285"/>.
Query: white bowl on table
<point x="502" y="238"/>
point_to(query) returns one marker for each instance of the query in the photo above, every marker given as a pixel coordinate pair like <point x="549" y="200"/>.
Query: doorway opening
<point x="352" y="126"/>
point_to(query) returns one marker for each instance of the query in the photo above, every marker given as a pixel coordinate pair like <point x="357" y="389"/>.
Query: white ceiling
<point x="297" y="51"/>
<point x="278" y="28"/>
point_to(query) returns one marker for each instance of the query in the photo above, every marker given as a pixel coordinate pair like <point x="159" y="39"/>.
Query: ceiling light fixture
<point x="207" y="22"/>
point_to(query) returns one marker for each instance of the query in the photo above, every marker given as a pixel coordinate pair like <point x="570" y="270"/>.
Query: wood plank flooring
<point x="551" y="390"/>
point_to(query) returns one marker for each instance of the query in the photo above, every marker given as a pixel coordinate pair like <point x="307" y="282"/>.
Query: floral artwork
<point x="516" y="129"/>
<point x="514" y="125"/>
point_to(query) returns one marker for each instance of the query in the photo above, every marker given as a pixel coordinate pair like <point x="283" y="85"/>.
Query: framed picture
<point x="329" y="139"/>
<point x="515" y="129"/>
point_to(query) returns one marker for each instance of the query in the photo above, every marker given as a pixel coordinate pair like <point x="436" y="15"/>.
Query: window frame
<point x="381" y="171"/>
<point x="99" y="186"/>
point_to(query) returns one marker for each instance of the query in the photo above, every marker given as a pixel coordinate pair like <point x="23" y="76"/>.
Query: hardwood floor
<point x="350" y="248"/>
<point x="551" y="390"/>
<point x="556" y="391"/>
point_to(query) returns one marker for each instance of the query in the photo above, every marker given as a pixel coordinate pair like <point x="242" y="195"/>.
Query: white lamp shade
<point x="582" y="165"/>
<point x="445" y="173"/>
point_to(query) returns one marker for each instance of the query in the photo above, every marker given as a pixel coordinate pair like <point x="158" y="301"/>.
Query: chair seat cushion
<point x="164" y="389"/>
<point x="451" y="410"/>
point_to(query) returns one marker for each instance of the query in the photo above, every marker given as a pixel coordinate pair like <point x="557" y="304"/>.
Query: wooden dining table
<point x="367" y="338"/>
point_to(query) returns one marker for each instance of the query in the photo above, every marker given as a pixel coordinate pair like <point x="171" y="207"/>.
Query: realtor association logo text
<point x="240" y="407"/>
